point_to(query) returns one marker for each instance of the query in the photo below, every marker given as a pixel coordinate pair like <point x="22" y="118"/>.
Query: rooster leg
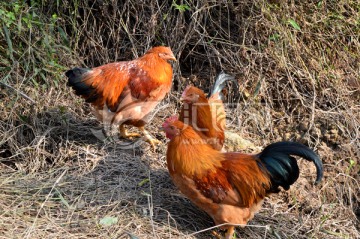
<point x="125" y="134"/>
<point x="149" y="138"/>
<point x="228" y="235"/>
<point x="217" y="235"/>
<point x="230" y="232"/>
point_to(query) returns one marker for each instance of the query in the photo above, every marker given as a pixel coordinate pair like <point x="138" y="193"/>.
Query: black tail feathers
<point x="75" y="80"/>
<point x="283" y="168"/>
<point x="220" y="82"/>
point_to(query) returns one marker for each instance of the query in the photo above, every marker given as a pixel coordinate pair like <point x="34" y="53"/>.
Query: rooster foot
<point x="153" y="142"/>
<point x="125" y="134"/>
<point x="230" y="232"/>
<point x="149" y="138"/>
<point x="228" y="235"/>
<point x="217" y="235"/>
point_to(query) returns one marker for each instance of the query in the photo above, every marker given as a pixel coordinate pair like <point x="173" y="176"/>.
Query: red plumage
<point x="206" y="116"/>
<point x="230" y="187"/>
<point x="126" y="92"/>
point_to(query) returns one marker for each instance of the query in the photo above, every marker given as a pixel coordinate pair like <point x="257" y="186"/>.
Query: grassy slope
<point x="298" y="67"/>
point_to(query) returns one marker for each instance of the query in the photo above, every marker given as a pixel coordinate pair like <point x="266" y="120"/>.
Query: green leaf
<point x="62" y="199"/>
<point x="27" y="21"/>
<point x="11" y="16"/>
<point x="352" y="164"/>
<point x="63" y="36"/>
<point x="294" y="24"/>
<point x="9" y="42"/>
<point x="143" y="182"/>
<point x="23" y="118"/>
<point x="181" y="7"/>
<point x="16" y="8"/>
<point x="108" y="221"/>
<point x="62" y="109"/>
<point x="274" y="37"/>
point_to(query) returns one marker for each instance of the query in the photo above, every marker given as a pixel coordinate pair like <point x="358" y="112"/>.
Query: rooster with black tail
<point x="230" y="187"/>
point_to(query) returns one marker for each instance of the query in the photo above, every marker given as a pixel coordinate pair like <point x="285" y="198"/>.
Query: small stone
<point x="81" y="204"/>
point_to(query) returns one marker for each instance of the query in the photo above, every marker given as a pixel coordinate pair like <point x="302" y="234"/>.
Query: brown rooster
<point x="230" y="187"/>
<point x="125" y="93"/>
<point x="206" y="115"/>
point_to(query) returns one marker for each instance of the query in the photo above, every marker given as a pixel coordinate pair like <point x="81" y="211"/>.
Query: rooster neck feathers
<point x="198" y="110"/>
<point x="181" y="151"/>
<point x="156" y="67"/>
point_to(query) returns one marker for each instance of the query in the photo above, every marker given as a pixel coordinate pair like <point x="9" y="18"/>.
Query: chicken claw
<point x="125" y="134"/>
<point x="153" y="142"/>
<point x="230" y="232"/>
<point x="149" y="138"/>
<point x="228" y="235"/>
<point x="217" y="235"/>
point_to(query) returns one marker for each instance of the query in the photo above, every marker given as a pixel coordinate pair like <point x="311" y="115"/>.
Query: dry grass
<point x="57" y="180"/>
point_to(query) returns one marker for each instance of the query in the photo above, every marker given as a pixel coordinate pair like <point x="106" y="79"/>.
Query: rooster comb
<point x="192" y="89"/>
<point x="186" y="90"/>
<point x="171" y="119"/>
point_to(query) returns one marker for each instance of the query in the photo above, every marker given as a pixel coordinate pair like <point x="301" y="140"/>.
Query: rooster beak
<point x="171" y="57"/>
<point x="184" y="97"/>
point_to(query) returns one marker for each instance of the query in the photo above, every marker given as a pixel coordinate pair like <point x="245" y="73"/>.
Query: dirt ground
<point x="297" y="65"/>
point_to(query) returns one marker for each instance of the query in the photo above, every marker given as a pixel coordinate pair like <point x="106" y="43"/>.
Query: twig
<point x="19" y="92"/>
<point x="151" y="206"/>
<point x="228" y="224"/>
<point x="43" y="204"/>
